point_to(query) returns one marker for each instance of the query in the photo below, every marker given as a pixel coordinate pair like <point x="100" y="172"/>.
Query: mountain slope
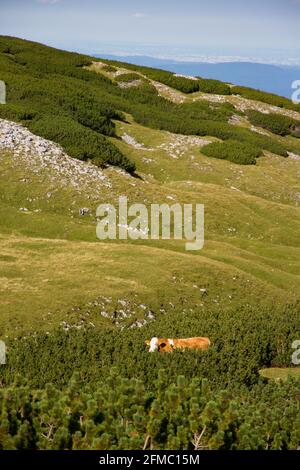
<point x="270" y="78"/>
<point x="77" y="132"/>
<point x="55" y="274"/>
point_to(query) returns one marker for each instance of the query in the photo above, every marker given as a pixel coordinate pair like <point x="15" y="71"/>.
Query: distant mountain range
<point x="271" y="78"/>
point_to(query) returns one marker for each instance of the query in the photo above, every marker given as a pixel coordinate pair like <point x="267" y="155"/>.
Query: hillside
<point x="252" y="212"/>
<point x="79" y="131"/>
<point x="267" y="77"/>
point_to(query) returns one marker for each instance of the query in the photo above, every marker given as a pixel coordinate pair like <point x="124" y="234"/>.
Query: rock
<point x="235" y="120"/>
<point x="133" y="83"/>
<point x="150" y="315"/>
<point x="294" y="156"/>
<point x="40" y="155"/>
<point x="295" y="130"/>
<point x="138" y="324"/>
<point x="105" y="314"/>
<point x="83" y="211"/>
<point x="133" y="143"/>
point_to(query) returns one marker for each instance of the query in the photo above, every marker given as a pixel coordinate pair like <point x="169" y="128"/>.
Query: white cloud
<point x="47" y="2"/>
<point x="139" y="15"/>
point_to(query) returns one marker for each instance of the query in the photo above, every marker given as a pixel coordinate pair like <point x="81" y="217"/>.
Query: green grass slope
<point x="56" y="275"/>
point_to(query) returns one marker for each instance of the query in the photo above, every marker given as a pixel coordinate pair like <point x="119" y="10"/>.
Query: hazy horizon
<point x="263" y="31"/>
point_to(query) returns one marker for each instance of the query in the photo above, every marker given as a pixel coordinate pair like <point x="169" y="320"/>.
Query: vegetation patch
<point x="129" y="77"/>
<point x="273" y="122"/>
<point x="109" y="69"/>
<point x="234" y="151"/>
<point x="213" y="86"/>
<point x="283" y="373"/>
<point x="44" y="83"/>
<point x="74" y="138"/>
<point x="183" y="84"/>
<point x="87" y="308"/>
<point x="121" y="414"/>
<point x="48" y="91"/>
<point x="180" y="83"/>
<point x="264" y="339"/>
<point x="265" y="97"/>
<point x="126" y="398"/>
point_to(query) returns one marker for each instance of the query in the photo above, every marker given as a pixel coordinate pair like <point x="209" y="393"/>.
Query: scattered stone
<point x="203" y="292"/>
<point x="40" y="155"/>
<point x="133" y="143"/>
<point x="293" y="156"/>
<point x="235" y="120"/>
<point x="147" y="160"/>
<point x="180" y="144"/>
<point x="138" y="324"/>
<point x="150" y="315"/>
<point x="258" y="130"/>
<point x="185" y="76"/>
<point x="169" y="93"/>
<point x="133" y="83"/>
<point x="84" y="211"/>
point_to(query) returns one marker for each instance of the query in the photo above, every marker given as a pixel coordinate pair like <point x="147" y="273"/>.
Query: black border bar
<point x="145" y="459"/>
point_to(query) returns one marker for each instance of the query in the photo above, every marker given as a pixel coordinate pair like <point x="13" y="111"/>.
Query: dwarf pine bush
<point x="234" y="151"/>
<point x="46" y="86"/>
<point x="213" y="86"/>
<point x="129" y="77"/>
<point x="265" y="97"/>
<point x="276" y="123"/>
<point x="121" y="414"/>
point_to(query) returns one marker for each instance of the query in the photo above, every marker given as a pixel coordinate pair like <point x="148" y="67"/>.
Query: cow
<point x="163" y="345"/>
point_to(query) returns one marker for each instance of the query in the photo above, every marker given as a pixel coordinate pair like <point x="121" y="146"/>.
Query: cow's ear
<point x="147" y="342"/>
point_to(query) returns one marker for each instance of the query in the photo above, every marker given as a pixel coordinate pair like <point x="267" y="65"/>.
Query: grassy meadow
<point x="71" y="303"/>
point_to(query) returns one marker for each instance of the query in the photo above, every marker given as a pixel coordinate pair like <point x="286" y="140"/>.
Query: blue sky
<point x="267" y="30"/>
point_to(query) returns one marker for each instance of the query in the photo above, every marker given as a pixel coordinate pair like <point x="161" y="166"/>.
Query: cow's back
<point x="192" y="343"/>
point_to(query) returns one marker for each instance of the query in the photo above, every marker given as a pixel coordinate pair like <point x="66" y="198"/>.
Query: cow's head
<point x="159" y="344"/>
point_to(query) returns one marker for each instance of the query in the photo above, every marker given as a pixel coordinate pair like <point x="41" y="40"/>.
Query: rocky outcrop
<point x="39" y="154"/>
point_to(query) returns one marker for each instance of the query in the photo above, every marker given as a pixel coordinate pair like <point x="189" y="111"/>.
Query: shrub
<point x="234" y="151"/>
<point x="121" y="414"/>
<point x="53" y="83"/>
<point x="202" y="110"/>
<point x="276" y="123"/>
<point x="295" y="130"/>
<point x="79" y="141"/>
<point x="213" y="86"/>
<point x="129" y="77"/>
<point x="16" y="112"/>
<point x="123" y="394"/>
<point x="109" y="68"/>
<point x="183" y="84"/>
<point x="264" y="339"/>
<point x="51" y="94"/>
<point x="180" y="83"/>
<point x="175" y="119"/>
<point x="265" y="97"/>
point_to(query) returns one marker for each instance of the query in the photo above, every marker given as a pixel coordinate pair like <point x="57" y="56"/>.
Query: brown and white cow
<point x="168" y="345"/>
